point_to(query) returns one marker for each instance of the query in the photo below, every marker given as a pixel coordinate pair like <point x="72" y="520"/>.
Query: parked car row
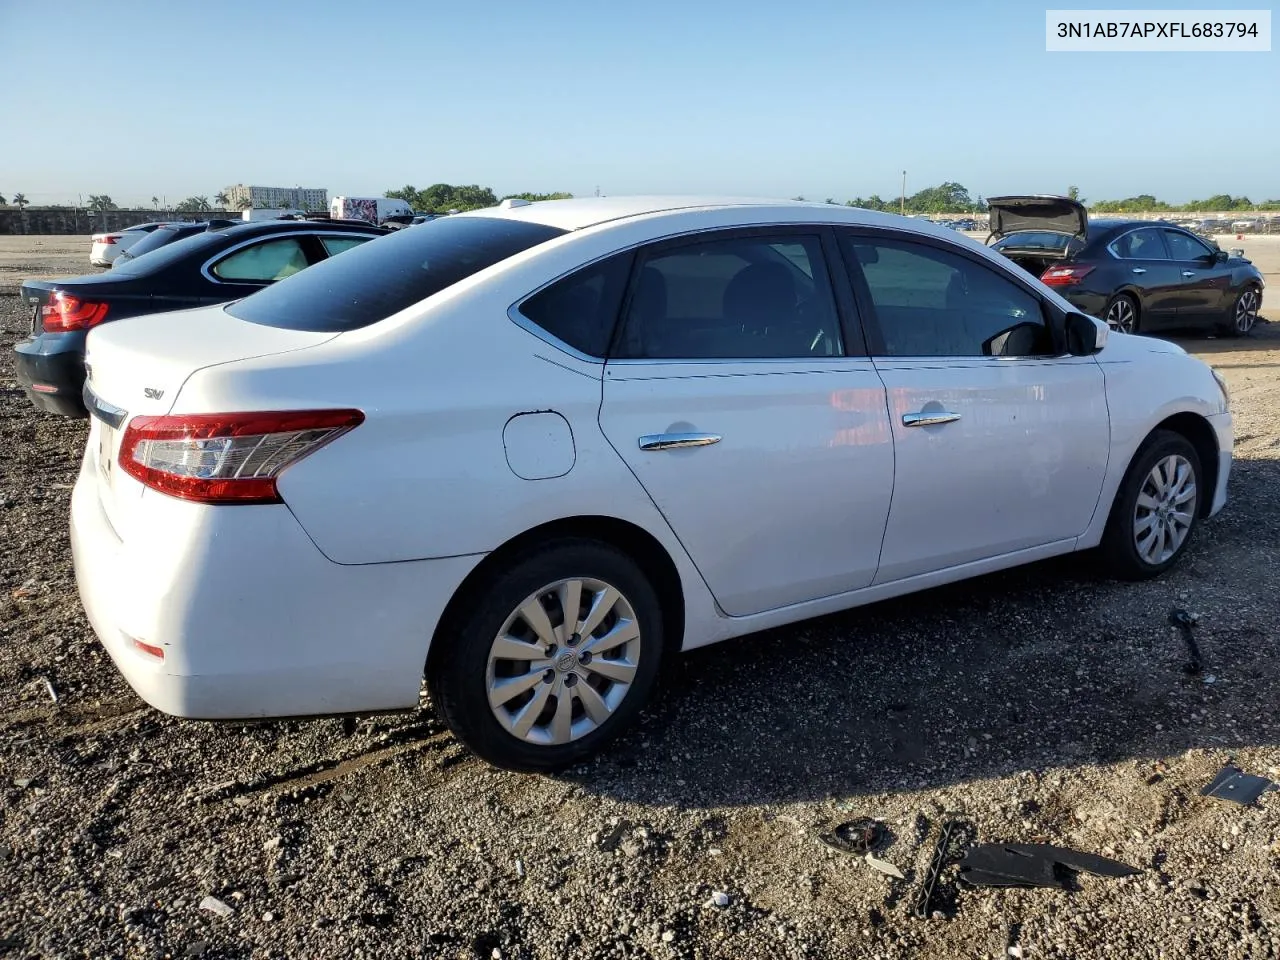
<point x="178" y="266"/>
<point x="1140" y="275"/>
<point x="529" y="452"/>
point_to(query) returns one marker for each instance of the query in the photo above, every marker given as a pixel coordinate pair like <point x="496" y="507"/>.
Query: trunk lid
<point x="138" y="366"/>
<point x="1016" y="214"/>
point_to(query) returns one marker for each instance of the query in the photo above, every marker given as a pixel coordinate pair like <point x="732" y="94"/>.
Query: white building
<point x="301" y="198"/>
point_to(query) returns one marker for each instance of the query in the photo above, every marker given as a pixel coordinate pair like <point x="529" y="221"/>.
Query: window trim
<point x="206" y="269"/>
<point x="853" y="342"/>
<point x="1052" y="314"/>
<point x="1192" y="237"/>
<point x="1111" y="247"/>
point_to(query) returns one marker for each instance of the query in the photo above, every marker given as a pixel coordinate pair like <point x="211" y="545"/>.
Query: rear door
<point x="1205" y="283"/>
<point x="1146" y="267"/>
<point x="1001" y="443"/>
<point x="747" y="410"/>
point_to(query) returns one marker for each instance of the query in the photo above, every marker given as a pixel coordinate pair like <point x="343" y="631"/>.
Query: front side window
<point x="1143" y="244"/>
<point x="1183" y="246"/>
<point x="263" y="262"/>
<point x="740" y="298"/>
<point x="580" y="309"/>
<point x="930" y="302"/>
<point x="336" y="245"/>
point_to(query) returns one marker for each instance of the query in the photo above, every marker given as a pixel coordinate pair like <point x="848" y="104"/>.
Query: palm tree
<point x="202" y="203"/>
<point x="3" y="202"/>
<point x="221" y="199"/>
<point x="20" y="201"/>
<point x="155" y="202"/>
<point x="246" y="204"/>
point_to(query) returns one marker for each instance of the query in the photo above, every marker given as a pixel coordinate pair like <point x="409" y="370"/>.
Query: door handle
<point x="928" y="419"/>
<point x="677" y="441"/>
<point x="1139" y="269"/>
<point x="1188" y="273"/>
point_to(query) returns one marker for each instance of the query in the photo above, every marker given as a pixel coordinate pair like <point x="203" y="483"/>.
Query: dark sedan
<point x="210" y="266"/>
<point x="166" y="234"/>
<point x="1138" y="275"/>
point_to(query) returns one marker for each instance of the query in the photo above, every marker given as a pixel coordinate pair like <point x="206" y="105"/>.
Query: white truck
<point x="373" y="210"/>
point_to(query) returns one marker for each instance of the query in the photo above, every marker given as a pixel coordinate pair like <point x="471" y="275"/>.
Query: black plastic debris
<point x="1033" y="865"/>
<point x="1234" y="784"/>
<point x="952" y="839"/>
<point x="856" y="837"/>
<point x="1184" y="622"/>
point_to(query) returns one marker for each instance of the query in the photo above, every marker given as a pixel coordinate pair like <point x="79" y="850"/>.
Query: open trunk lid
<point x="138" y="366"/>
<point x="1035" y="212"/>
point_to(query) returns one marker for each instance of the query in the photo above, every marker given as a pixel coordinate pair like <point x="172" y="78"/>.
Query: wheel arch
<point x="1199" y="433"/>
<point x="636" y="542"/>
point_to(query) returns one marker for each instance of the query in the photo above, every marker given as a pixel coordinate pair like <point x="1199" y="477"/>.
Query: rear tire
<point x="1242" y="315"/>
<point x="528" y="692"/>
<point x="1156" y="509"/>
<point x="1123" y="313"/>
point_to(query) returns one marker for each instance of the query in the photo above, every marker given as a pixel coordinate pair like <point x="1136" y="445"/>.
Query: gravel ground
<point x="1041" y="705"/>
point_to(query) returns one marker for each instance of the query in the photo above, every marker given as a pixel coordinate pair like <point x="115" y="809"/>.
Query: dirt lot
<point x="1043" y="705"/>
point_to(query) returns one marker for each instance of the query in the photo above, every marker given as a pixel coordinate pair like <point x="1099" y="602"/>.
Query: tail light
<point x="1064" y="276"/>
<point x="64" y="313"/>
<point x="109" y="238"/>
<point x="226" y="457"/>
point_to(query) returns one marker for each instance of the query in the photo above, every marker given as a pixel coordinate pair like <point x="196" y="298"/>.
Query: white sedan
<point x="533" y="450"/>
<point x="107" y="246"/>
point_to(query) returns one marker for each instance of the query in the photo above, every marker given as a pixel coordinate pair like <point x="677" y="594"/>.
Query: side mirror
<point x="1219" y="256"/>
<point x="1085" y="335"/>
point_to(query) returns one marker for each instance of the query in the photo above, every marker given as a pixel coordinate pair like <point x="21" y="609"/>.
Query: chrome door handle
<point x="1139" y="270"/>
<point x="677" y="441"/>
<point x="928" y="419"/>
<point x="1188" y="273"/>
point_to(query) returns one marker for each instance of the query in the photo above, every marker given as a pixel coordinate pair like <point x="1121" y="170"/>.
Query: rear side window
<point x="378" y="279"/>
<point x="1141" y="245"/>
<point x="262" y="262"/>
<point x="581" y="309"/>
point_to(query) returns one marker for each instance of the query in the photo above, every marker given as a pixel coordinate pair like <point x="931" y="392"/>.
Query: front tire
<point x="551" y="658"/>
<point x="1242" y="314"/>
<point x="1122" y="313"/>
<point x="1156" y="508"/>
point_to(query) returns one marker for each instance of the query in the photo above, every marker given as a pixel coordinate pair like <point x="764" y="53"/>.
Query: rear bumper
<point x="253" y="620"/>
<point x="52" y="379"/>
<point x="1224" y="432"/>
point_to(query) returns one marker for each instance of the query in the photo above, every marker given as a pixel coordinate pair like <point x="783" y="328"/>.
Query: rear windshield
<point x="1034" y="240"/>
<point x="158" y="249"/>
<point x="384" y="276"/>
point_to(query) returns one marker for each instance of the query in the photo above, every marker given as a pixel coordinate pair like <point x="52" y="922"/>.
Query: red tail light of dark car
<point x="65" y="313"/>
<point x="1065" y="276"/>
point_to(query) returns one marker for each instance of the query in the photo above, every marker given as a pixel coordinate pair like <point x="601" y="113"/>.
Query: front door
<point x="1206" y="283"/>
<point x="733" y="398"/>
<point x="1001" y="444"/>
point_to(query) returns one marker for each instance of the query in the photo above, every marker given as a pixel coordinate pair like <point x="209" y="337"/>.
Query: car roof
<point x="580" y="213"/>
<point x="254" y="227"/>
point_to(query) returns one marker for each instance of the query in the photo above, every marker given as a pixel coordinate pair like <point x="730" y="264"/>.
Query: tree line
<point x="443" y="197"/>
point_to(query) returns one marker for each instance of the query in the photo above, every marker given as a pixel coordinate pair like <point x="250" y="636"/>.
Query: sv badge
<point x="151" y="393"/>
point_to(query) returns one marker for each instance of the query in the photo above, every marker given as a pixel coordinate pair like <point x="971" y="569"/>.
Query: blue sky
<point x="824" y="99"/>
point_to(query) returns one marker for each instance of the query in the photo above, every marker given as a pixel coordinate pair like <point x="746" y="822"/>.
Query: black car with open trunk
<point x="1138" y="275"/>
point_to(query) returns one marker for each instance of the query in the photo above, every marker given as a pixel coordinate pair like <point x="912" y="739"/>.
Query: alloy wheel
<point x="1246" y="311"/>
<point x="563" y="661"/>
<point x="1121" y="315"/>
<point x="1165" y="509"/>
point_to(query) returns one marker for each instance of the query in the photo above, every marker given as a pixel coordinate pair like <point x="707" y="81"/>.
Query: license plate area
<point x="106" y="449"/>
